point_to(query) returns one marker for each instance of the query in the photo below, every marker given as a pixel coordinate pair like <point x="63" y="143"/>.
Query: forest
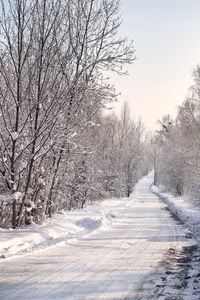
<point x="61" y="145"/>
<point x="99" y="173"/>
<point x="58" y="148"/>
<point x="176" y="147"/>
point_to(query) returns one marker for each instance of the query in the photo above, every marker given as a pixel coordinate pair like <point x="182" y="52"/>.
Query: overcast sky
<point x="166" y="36"/>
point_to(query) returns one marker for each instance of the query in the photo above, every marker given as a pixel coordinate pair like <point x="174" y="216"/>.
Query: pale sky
<point x="166" y="36"/>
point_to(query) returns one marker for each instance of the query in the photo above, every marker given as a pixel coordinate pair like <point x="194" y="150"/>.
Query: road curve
<point x="109" y="264"/>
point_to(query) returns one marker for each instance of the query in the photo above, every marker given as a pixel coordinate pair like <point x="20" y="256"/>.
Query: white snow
<point x="89" y="224"/>
<point x="14" y="135"/>
<point x="183" y="209"/>
<point x="6" y="199"/>
<point x="190" y="217"/>
<point x="31" y="205"/>
<point x="68" y="225"/>
<point x="16" y="195"/>
<point x="104" y="251"/>
<point x="78" y="223"/>
<point x="4" y="159"/>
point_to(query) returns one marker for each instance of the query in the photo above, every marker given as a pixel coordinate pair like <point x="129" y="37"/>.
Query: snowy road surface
<point x="105" y="264"/>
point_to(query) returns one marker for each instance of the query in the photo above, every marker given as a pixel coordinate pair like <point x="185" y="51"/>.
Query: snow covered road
<point x="106" y="264"/>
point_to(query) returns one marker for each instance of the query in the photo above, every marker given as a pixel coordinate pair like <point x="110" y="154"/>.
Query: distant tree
<point x="179" y="144"/>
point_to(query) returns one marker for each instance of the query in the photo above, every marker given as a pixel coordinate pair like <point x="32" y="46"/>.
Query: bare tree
<point x="52" y="58"/>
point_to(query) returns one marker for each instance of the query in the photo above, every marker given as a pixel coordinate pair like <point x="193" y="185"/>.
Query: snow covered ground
<point x="184" y="267"/>
<point x="186" y="212"/>
<point x="75" y="224"/>
<point x="105" y="251"/>
<point x="62" y="227"/>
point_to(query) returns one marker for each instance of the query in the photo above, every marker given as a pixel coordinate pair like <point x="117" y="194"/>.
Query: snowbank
<point x="62" y="227"/>
<point x="89" y="224"/>
<point x="79" y="223"/>
<point x="183" y="209"/>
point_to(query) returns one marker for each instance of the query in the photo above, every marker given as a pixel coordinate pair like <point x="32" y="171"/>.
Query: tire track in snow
<point x="111" y="264"/>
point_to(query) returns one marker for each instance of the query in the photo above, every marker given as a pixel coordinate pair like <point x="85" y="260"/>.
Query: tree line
<point x="177" y="144"/>
<point x="57" y="149"/>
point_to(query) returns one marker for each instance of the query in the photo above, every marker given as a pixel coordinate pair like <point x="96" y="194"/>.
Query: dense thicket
<point x="56" y="148"/>
<point x="177" y="146"/>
